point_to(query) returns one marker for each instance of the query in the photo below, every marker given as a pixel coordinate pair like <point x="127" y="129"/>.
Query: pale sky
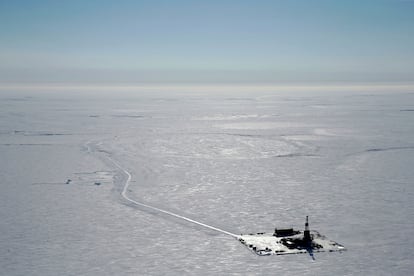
<point x="206" y="41"/>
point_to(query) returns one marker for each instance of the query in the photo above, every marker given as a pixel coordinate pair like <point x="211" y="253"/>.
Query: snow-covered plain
<point x="243" y="163"/>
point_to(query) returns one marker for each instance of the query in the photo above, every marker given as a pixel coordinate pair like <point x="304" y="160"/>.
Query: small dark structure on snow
<point x="304" y="242"/>
<point x="289" y="241"/>
<point x="285" y="232"/>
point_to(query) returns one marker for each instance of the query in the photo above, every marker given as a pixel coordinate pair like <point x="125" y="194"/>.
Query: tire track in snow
<point x="126" y="197"/>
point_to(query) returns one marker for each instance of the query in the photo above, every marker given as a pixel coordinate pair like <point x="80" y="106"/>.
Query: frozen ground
<point x="243" y="163"/>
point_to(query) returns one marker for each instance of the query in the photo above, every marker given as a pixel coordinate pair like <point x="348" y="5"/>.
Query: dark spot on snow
<point x="375" y="150"/>
<point x="104" y="151"/>
<point x="128" y="116"/>
<point x="407" y="110"/>
<point x="389" y="148"/>
<point x="294" y="155"/>
<point x="97" y="183"/>
<point x="39" y="133"/>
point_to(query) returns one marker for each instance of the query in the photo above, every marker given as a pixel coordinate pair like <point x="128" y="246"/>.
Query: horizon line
<point x="210" y="86"/>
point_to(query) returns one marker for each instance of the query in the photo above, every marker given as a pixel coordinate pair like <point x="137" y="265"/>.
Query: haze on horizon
<point x="206" y="41"/>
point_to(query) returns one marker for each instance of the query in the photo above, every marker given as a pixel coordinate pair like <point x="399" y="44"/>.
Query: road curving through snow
<point x="126" y="197"/>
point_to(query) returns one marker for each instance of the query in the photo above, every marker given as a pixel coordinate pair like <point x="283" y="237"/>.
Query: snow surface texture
<point x="152" y="208"/>
<point x="240" y="163"/>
